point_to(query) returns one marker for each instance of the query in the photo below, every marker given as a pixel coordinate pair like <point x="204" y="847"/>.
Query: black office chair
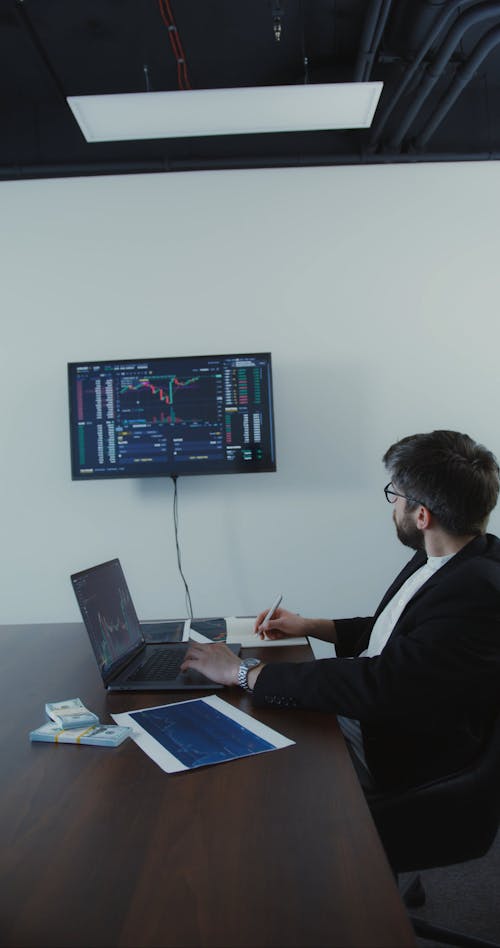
<point x="446" y="821"/>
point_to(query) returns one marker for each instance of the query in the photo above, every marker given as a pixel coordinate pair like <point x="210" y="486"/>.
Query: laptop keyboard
<point x="162" y="665"/>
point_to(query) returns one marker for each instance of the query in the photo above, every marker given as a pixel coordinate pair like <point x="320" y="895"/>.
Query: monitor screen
<point x="210" y="414"/>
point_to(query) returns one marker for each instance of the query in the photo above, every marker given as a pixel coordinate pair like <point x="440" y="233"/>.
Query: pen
<point x="272" y="609"/>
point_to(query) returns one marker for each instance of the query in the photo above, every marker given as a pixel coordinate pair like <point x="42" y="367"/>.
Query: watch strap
<point x="243" y="677"/>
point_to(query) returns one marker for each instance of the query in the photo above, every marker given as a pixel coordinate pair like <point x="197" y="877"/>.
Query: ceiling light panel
<point x="199" y="112"/>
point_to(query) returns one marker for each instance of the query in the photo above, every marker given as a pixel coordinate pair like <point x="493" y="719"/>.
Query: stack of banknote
<point x="72" y="723"/>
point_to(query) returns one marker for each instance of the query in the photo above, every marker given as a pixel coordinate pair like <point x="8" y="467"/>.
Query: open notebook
<point x="238" y="629"/>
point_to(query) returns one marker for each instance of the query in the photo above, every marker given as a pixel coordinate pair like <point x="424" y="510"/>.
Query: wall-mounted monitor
<point x="209" y="414"/>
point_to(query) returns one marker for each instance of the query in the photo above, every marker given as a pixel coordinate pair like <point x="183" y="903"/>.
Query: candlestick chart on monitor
<point x="202" y="414"/>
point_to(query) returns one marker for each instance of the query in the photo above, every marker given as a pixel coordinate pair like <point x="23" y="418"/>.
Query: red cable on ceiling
<point x="175" y="42"/>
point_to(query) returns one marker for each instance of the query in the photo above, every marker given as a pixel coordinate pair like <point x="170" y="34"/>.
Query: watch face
<point x="251" y="662"/>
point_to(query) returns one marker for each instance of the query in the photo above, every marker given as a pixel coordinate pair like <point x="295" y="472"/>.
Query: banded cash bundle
<point x="70" y="713"/>
<point x="72" y="723"/>
<point x="106" y="735"/>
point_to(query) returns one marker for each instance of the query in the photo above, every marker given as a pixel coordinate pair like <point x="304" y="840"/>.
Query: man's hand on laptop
<point x="216" y="661"/>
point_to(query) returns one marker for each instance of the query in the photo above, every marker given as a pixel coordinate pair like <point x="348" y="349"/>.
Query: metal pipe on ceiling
<point x="463" y="77"/>
<point x="382" y="117"/>
<point x="373" y="29"/>
<point x="436" y="70"/>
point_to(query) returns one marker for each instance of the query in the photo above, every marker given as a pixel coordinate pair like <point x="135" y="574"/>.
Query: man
<point x="416" y="686"/>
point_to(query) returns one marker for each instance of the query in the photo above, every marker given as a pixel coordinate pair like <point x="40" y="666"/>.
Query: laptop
<point x="126" y="661"/>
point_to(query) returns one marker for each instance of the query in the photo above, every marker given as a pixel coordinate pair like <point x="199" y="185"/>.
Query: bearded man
<point x="415" y="686"/>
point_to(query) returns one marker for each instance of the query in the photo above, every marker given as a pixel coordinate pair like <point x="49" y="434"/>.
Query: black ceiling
<point x="439" y="61"/>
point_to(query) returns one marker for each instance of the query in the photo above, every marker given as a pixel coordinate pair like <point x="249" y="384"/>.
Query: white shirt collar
<point x="436" y="562"/>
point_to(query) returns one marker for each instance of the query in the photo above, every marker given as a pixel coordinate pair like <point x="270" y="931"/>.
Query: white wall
<point x="376" y="290"/>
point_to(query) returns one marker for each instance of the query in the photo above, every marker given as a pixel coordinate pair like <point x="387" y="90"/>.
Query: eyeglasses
<point x="390" y="495"/>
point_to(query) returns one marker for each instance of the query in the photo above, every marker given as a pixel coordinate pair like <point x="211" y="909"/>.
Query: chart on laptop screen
<point x="108" y="613"/>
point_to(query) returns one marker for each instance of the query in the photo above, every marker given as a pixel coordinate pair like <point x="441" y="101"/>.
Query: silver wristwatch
<point x="243" y="670"/>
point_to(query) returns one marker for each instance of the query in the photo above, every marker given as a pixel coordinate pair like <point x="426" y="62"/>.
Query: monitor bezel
<point x="209" y="468"/>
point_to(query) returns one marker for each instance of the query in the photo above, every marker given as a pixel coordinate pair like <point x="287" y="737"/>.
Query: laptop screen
<point x="108" y="613"/>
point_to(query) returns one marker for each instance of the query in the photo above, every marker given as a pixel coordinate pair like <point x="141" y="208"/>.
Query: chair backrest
<point x="445" y="821"/>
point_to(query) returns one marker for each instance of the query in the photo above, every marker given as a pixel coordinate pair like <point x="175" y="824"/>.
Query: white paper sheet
<point x="202" y="731"/>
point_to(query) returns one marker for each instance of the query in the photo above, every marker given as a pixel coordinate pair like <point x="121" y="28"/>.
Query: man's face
<point x="406" y="528"/>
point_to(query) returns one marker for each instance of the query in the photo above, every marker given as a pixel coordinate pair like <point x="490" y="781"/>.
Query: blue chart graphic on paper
<point x="198" y="734"/>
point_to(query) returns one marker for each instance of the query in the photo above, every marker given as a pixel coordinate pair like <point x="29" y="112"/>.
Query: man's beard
<point x="408" y="533"/>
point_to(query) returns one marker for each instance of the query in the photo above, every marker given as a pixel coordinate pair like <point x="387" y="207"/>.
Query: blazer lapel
<point x="474" y="548"/>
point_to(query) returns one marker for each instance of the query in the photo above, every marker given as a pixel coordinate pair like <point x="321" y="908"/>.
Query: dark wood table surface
<point x="99" y="847"/>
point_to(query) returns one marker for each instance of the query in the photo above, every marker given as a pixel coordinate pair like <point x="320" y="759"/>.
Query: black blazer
<point x="426" y="703"/>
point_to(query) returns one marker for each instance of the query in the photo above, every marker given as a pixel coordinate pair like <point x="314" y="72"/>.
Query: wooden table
<point x="99" y="847"/>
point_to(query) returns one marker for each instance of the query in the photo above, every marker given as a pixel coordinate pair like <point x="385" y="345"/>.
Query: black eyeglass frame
<point x="395" y="493"/>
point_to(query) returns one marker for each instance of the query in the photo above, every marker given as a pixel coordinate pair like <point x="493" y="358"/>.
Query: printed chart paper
<point x="198" y="732"/>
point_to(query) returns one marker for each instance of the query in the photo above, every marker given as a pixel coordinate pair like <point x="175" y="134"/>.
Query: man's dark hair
<point x="451" y="475"/>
